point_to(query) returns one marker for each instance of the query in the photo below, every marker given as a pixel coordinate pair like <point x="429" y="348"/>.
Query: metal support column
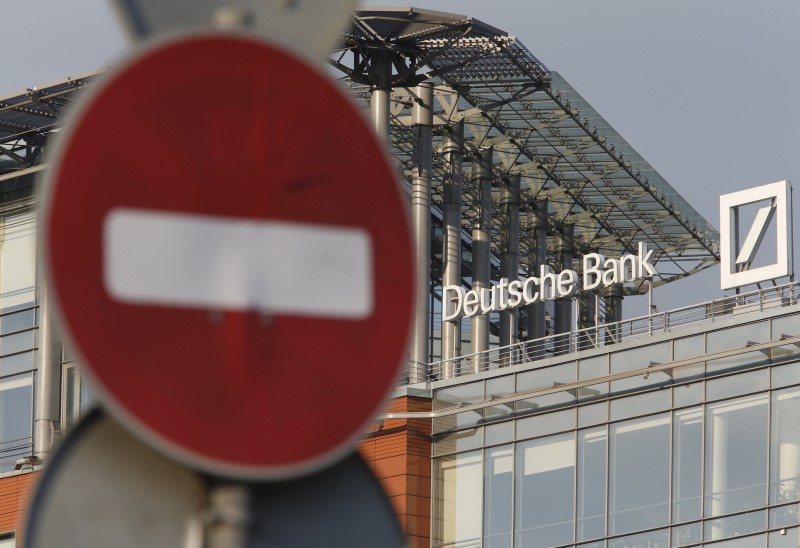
<point x="453" y="151"/>
<point x="48" y="381"/>
<point x="612" y="295"/>
<point x="587" y="312"/>
<point x="380" y="79"/>
<point x="422" y="121"/>
<point x="509" y="262"/>
<point x="481" y="247"/>
<point x="537" y="224"/>
<point x="564" y="249"/>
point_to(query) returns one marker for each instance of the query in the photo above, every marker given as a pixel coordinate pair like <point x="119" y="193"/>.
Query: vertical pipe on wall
<point x="537" y="224"/>
<point x="564" y="249"/>
<point x="509" y="201"/>
<point x="612" y="295"/>
<point x="481" y="247"/>
<point x="453" y="151"/>
<point x="48" y="380"/>
<point x="381" y="91"/>
<point x="586" y="319"/>
<point x="422" y="122"/>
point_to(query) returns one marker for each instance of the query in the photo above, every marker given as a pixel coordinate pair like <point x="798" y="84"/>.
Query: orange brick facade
<point x="399" y="452"/>
<point x="15" y="494"/>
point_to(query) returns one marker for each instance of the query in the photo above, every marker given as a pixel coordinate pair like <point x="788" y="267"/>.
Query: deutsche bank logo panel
<point x="737" y="258"/>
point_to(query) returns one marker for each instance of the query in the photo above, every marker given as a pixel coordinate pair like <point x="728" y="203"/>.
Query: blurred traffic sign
<point x="229" y="249"/>
<point x="312" y="26"/>
<point x="105" y="488"/>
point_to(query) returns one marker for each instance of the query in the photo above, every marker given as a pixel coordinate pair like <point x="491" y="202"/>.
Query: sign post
<point x="233" y="268"/>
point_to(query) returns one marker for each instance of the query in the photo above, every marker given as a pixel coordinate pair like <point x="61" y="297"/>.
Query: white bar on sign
<point x="224" y="263"/>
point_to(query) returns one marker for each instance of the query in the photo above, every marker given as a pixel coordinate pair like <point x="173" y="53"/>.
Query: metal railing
<point x="12" y="451"/>
<point x="605" y="334"/>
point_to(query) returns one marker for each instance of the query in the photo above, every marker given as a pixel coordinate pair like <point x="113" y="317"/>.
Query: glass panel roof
<point x="539" y="127"/>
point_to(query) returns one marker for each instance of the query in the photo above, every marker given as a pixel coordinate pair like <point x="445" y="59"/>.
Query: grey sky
<point x="708" y="91"/>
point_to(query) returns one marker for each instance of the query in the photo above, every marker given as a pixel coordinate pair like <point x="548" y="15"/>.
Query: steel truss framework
<point x="538" y="126"/>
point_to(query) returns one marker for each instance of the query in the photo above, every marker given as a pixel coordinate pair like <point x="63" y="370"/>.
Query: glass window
<point x="591" y="483"/>
<point x="753" y="541"/>
<point x="16" y="363"/>
<point x="784" y="375"/>
<point x="686" y="535"/>
<point x="689" y="347"/>
<point x="639" y="358"/>
<point x="500" y="386"/>
<point x="462" y="440"/>
<point x="590" y="415"/>
<point x="783" y="328"/>
<point x="593" y="368"/>
<point x="736" y="385"/>
<point x="16" y="419"/>
<point x="785" y="449"/>
<point x="549" y="423"/>
<point x="783" y="516"/>
<point x="453" y="397"/>
<point x="17" y="260"/>
<point x="642" y="404"/>
<point x="502" y="432"/>
<point x="736" y="455"/>
<point x="639" y="456"/>
<point x="687" y="473"/>
<point x="734" y="526"/>
<point x="651" y="539"/>
<point x="459" y="484"/>
<point x="687" y="394"/>
<point x="498" y="489"/>
<point x="544" y="493"/>
<point x="17" y="342"/>
<point x="18" y="321"/>
<point x="785" y="538"/>
<point x="737" y="337"/>
<point x="546" y="377"/>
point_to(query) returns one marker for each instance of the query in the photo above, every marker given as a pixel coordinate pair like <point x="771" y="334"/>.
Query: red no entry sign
<point x="230" y="253"/>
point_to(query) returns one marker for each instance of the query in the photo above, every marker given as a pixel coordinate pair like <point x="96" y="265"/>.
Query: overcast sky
<point x="707" y="91"/>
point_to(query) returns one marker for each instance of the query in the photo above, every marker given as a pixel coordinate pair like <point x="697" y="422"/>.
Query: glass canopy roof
<point x="538" y="126"/>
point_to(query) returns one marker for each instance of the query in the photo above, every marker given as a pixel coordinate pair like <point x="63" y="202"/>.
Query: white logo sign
<point x="736" y="260"/>
<point x="597" y="271"/>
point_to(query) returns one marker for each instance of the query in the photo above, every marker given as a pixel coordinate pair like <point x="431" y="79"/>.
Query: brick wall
<point x="399" y="452"/>
<point x="15" y="493"/>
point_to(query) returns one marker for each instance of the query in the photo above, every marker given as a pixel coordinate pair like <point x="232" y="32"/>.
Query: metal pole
<point x="48" y="380"/>
<point x="481" y="248"/>
<point x="564" y="249"/>
<point x="613" y="300"/>
<point x="453" y="150"/>
<point x="380" y="80"/>
<point x="587" y="320"/>
<point x="422" y="120"/>
<point x="509" y="201"/>
<point x="537" y="222"/>
<point x="229" y="518"/>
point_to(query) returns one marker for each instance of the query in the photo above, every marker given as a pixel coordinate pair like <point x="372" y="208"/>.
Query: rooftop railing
<point x="606" y="334"/>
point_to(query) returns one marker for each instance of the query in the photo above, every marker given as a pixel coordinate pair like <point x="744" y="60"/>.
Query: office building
<point x="531" y="416"/>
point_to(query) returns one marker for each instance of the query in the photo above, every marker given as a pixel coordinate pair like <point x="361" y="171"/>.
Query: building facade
<point x="554" y="422"/>
<point x="682" y="437"/>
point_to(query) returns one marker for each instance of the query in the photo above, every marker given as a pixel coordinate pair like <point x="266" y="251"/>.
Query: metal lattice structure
<point x="538" y="126"/>
<point x="27" y="121"/>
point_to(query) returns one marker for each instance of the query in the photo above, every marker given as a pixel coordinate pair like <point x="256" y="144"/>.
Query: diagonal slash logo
<point x="737" y="260"/>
